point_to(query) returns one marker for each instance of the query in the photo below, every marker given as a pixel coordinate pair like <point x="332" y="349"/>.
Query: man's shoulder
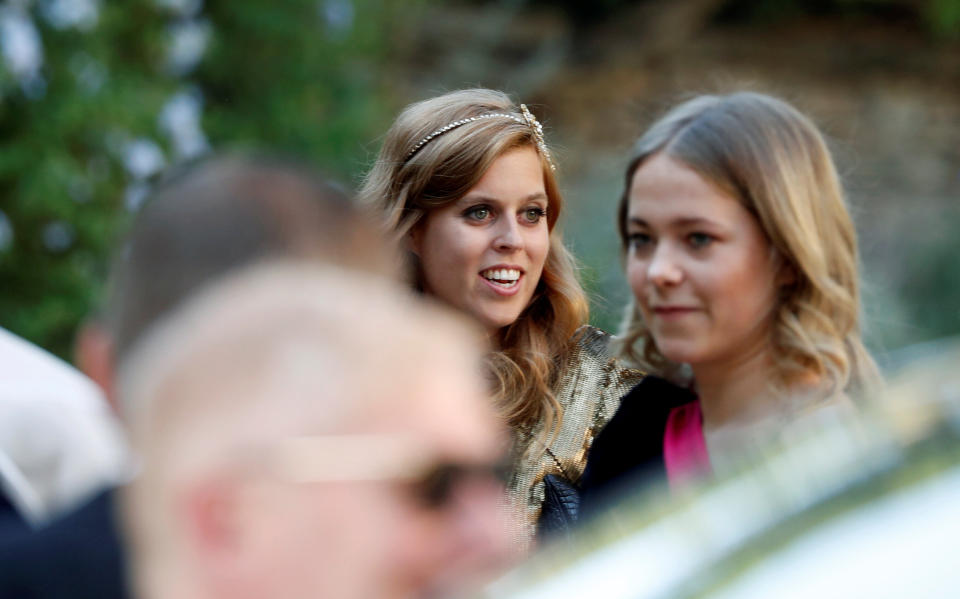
<point x="76" y="555"/>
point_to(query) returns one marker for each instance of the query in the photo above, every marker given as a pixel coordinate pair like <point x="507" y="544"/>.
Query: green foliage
<point x="285" y="78"/>
<point x="61" y="178"/>
<point x="297" y="76"/>
<point x="943" y="17"/>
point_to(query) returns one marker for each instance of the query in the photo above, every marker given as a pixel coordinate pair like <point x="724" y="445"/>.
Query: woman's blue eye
<point x="533" y="215"/>
<point x="699" y="240"/>
<point x="477" y="213"/>
<point x="637" y="241"/>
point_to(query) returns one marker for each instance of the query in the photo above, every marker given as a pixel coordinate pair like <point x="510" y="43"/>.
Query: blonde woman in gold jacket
<point x="466" y="183"/>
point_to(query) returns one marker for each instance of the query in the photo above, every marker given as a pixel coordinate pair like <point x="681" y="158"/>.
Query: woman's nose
<point x="664" y="268"/>
<point x="508" y="236"/>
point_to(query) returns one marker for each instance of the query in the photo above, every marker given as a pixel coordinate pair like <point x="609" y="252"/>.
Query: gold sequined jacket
<point x="589" y="389"/>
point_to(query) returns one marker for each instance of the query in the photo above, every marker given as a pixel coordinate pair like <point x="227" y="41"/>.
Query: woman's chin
<point x="493" y="323"/>
<point x="680" y="353"/>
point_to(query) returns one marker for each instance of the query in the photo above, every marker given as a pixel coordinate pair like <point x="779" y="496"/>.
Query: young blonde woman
<point x="466" y="182"/>
<point x="742" y="258"/>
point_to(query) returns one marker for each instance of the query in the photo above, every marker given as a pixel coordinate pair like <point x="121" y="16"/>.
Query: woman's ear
<point x="786" y="274"/>
<point x="414" y="239"/>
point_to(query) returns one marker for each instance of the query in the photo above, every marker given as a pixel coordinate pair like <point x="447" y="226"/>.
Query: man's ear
<point x="226" y="523"/>
<point x="210" y="513"/>
<point x="93" y="355"/>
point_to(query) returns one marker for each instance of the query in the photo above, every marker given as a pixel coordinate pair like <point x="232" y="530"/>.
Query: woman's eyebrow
<point x="536" y="196"/>
<point x="692" y="221"/>
<point x="683" y="221"/>
<point x="478" y="197"/>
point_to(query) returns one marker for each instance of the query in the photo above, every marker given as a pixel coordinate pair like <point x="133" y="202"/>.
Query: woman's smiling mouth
<point x="503" y="280"/>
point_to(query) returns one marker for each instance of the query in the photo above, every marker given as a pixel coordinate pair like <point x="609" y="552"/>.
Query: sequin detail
<point x="590" y="387"/>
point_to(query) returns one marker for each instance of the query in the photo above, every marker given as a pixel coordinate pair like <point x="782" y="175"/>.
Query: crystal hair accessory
<point x="527" y="119"/>
<point x="538" y="135"/>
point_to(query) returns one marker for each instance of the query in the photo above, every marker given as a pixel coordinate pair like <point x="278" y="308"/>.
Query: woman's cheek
<point x="636" y="277"/>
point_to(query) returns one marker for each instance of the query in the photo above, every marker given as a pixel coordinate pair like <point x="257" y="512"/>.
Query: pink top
<point x="684" y="448"/>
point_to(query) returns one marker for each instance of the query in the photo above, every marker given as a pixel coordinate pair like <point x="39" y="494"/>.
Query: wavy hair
<point x="404" y="189"/>
<point x="763" y="152"/>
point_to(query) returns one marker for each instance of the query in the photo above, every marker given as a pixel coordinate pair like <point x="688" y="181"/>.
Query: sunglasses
<point x="436" y="488"/>
<point x="330" y="458"/>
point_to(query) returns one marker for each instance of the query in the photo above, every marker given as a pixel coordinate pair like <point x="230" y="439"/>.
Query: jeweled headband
<point x="528" y="119"/>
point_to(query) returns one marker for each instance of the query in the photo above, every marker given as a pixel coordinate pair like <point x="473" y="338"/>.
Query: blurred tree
<point x="943" y="17"/>
<point x="302" y="78"/>
<point x="95" y="97"/>
<point x="78" y="87"/>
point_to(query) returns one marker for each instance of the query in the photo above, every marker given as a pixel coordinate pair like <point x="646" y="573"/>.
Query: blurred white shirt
<point x="59" y="440"/>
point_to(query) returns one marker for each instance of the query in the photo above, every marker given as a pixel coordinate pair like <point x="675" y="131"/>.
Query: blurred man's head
<point x="212" y="217"/>
<point x="309" y="432"/>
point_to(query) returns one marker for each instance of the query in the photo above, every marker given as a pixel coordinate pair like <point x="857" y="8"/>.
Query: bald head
<point x="288" y="352"/>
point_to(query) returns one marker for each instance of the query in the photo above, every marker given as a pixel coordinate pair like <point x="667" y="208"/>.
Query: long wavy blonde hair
<point x="404" y="189"/>
<point x="774" y="161"/>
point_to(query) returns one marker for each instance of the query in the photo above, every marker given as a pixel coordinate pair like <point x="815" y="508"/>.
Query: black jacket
<point x="77" y="556"/>
<point x="629" y="451"/>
